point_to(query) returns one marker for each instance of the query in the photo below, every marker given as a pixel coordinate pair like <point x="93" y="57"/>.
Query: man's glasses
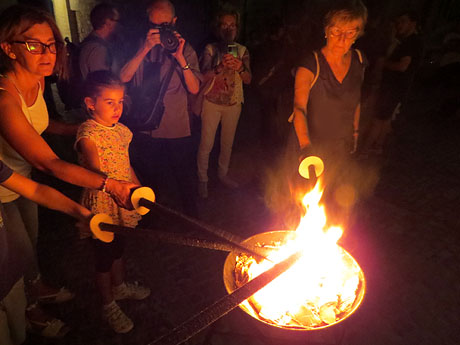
<point x="350" y="34"/>
<point x="39" y="47"/>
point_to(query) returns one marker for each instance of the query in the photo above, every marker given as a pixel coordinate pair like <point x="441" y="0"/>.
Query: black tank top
<point x="331" y="105"/>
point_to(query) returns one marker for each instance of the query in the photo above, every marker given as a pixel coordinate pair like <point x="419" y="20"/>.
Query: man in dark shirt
<point x="399" y="69"/>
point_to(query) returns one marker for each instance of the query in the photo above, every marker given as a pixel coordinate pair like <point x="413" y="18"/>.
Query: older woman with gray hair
<point x="328" y="93"/>
<point x="328" y="83"/>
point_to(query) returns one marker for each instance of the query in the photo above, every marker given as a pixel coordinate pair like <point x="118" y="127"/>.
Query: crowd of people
<point x="157" y="94"/>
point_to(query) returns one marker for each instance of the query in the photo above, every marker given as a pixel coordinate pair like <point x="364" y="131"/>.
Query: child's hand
<point x="120" y="191"/>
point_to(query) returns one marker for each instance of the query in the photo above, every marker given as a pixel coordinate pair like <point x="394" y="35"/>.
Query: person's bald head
<point x="161" y="11"/>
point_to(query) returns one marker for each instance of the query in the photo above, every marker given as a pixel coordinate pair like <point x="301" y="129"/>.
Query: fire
<point x="320" y="289"/>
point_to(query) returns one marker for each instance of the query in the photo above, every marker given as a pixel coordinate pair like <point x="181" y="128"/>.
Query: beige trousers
<point x="211" y="116"/>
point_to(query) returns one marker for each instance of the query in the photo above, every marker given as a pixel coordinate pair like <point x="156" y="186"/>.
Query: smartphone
<point x="232" y="49"/>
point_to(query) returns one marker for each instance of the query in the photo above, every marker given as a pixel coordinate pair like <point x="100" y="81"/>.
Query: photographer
<point x="164" y="153"/>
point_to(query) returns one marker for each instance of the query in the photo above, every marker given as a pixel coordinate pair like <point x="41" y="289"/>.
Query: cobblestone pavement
<point x="404" y="235"/>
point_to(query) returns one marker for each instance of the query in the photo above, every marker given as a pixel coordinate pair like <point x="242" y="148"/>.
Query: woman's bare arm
<point x="356" y="128"/>
<point x="46" y="196"/>
<point x="303" y="80"/>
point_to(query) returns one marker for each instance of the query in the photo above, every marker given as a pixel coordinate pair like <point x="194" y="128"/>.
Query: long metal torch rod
<point x="172" y="238"/>
<point x="257" y="252"/>
<point x="203" y="319"/>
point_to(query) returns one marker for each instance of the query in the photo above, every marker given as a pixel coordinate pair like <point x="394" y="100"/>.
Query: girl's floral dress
<point x="112" y="146"/>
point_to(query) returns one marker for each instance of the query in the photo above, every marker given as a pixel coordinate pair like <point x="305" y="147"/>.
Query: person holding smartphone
<point x="225" y="68"/>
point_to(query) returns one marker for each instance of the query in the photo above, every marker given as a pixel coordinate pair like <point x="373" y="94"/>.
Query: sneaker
<point x="203" y="189"/>
<point x="59" y="296"/>
<point x="116" y="319"/>
<point x="130" y="291"/>
<point x="39" y="322"/>
<point x="49" y="294"/>
<point x="228" y="182"/>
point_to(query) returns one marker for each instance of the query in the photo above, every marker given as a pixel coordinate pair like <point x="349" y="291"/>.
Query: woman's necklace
<point x="19" y="90"/>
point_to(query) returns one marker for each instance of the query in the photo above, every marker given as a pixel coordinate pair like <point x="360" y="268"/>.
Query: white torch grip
<point x="311" y="161"/>
<point x="142" y="193"/>
<point x="95" y="226"/>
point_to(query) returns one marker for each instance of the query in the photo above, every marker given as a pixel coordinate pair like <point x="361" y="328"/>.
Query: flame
<point x="324" y="279"/>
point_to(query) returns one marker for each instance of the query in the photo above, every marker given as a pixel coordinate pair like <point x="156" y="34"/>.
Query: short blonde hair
<point x="16" y="20"/>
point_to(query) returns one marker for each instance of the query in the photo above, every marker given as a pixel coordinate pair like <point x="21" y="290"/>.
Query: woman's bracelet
<point x="104" y="184"/>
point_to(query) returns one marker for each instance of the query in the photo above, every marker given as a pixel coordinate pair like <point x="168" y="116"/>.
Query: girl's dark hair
<point x="17" y="19"/>
<point x="97" y="80"/>
<point x="346" y="11"/>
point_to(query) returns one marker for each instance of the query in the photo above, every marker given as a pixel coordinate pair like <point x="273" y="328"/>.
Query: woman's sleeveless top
<point x="37" y="115"/>
<point x="331" y="104"/>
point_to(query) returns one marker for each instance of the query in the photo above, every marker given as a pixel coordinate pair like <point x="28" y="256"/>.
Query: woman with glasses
<point x="328" y="91"/>
<point x="31" y="49"/>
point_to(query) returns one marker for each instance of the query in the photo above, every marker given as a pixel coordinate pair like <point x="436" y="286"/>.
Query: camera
<point x="168" y="39"/>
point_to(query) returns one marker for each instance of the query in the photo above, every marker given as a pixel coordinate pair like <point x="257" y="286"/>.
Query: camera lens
<point x="169" y="40"/>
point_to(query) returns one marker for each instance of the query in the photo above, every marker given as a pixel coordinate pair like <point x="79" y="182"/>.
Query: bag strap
<point x="317" y="69"/>
<point x="291" y="117"/>
<point x="360" y="55"/>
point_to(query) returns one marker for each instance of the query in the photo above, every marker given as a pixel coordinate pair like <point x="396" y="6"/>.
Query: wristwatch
<point x="186" y="67"/>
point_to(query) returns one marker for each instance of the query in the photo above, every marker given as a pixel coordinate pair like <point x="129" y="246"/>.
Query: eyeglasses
<point x="39" y="47"/>
<point x="350" y="34"/>
<point x="225" y="26"/>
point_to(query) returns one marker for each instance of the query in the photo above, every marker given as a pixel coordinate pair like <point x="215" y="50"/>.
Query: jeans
<point x="22" y="217"/>
<point x="12" y="316"/>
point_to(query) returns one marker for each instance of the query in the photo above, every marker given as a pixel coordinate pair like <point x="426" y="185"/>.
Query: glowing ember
<point x="322" y="288"/>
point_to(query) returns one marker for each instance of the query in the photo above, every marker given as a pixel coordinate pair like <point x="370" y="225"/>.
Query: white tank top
<point x="37" y="115"/>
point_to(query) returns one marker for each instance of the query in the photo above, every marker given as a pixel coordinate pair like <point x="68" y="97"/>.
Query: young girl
<point x="102" y="145"/>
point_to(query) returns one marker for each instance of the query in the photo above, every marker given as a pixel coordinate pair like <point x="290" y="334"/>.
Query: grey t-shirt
<point x="175" y="122"/>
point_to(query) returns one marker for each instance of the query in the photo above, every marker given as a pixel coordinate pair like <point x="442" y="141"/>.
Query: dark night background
<point x="405" y="235"/>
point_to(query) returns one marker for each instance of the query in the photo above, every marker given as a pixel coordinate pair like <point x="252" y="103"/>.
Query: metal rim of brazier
<point x="283" y="236"/>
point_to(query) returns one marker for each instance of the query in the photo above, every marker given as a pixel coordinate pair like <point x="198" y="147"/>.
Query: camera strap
<point x="163" y="87"/>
